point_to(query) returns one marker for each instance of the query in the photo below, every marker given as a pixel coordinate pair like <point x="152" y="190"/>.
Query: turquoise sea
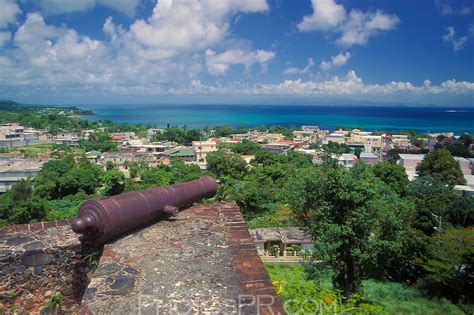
<point x="421" y="119"/>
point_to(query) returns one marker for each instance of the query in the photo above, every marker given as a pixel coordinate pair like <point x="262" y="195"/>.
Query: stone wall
<point x="43" y="266"/>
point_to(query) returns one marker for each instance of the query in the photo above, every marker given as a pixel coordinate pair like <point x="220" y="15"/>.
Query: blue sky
<point x="238" y="51"/>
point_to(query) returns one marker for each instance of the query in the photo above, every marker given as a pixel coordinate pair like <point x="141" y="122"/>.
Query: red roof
<point x="117" y="137"/>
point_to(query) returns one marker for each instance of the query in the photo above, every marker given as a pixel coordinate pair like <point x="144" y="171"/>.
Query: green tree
<point x="113" y="181"/>
<point x="181" y="172"/>
<point x="393" y="155"/>
<point x="155" y="177"/>
<point x="441" y="162"/>
<point x="336" y="148"/>
<point x="450" y="268"/>
<point x="33" y="209"/>
<point x="21" y="190"/>
<point x="222" y="164"/>
<point x="431" y="197"/>
<point x="99" y="141"/>
<point x="352" y="218"/>
<point x="393" y="175"/>
<point x="460" y="211"/>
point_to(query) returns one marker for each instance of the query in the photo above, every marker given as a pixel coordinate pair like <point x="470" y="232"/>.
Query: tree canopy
<point x="350" y="214"/>
<point x="441" y="162"/>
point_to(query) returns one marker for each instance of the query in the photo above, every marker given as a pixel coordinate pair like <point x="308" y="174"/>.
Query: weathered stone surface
<point x="18" y="240"/>
<point x="187" y="265"/>
<point x="34" y="258"/>
<point x="37" y="263"/>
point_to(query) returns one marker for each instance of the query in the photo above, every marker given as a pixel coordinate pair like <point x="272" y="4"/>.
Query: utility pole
<point x="438" y="219"/>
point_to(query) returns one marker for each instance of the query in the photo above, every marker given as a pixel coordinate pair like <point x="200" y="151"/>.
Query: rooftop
<point x="285" y="234"/>
<point x="412" y="156"/>
<point x="179" y="152"/>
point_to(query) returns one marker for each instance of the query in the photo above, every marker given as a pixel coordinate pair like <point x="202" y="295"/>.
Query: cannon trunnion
<point x="103" y="218"/>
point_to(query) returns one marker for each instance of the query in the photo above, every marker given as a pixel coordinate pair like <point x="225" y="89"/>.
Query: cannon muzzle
<point x="103" y="218"/>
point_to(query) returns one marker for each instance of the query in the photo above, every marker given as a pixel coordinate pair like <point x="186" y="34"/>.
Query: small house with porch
<point x="281" y="241"/>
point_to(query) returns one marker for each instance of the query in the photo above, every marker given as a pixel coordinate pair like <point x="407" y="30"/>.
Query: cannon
<point x="104" y="218"/>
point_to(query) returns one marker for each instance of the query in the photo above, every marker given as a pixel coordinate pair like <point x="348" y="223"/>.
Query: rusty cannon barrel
<point x="103" y="218"/>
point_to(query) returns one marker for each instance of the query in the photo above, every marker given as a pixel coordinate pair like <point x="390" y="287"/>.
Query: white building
<point x="202" y="149"/>
<point x="311" y="129"/>
<point x="372" y="143"/>
<point x="335" y="137"/>
<point x="11" y="131"/>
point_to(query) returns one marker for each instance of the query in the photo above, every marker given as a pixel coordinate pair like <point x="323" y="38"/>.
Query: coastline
<point x="371" y="118"/>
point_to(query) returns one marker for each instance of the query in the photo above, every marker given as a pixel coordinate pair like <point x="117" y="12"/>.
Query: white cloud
<point x="361" y="25"/>
<point x="9" y="11"/>
<point x="4" y="38"/>
<point x="457" y="42"/>
<point x="327" y="14"/>
<point x="54" y="55"/>
<point x="336" y="61"/>
<point x="55" y="7"/>
<point x="354" y="28"/>
<point x="294" y="70"/>
<point x="457" y="7"/>
<point x="350" y="86"/>
<point x="189" y="25"/>
<point x="167" y="48"/>
<point x="219" y="63"/>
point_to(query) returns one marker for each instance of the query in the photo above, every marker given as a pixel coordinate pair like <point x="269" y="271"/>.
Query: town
<point x="347" y="146"/>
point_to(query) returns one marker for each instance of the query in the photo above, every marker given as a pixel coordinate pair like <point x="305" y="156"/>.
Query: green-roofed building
<point x="182" y="153"/>
<point x="93" y="154"/>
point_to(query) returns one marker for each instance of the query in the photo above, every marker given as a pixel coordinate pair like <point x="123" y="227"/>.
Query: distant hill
<point x="7" y="102"/>
<point x="9" y="105"/>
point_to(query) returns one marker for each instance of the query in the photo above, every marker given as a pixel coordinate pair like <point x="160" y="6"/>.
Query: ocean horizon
<point x="388" y="118"/>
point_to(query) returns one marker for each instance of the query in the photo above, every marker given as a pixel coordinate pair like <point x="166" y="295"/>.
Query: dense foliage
<point x="442" y="163"/>
<point x="351" y="216"/>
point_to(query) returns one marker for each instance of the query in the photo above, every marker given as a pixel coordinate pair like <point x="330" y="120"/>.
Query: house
<point x="93" y="155"/>
<point x="278" y="147"/>
<point x="466" y="165"/>
<point x="122" y="159"/>
<point x="372" y="143"/>
<point x="67" y="138"/>
<point x="347" y="160"/>
<point x="290" y="241"/>
<point x="156" y="148"/>
<point x="182" y="153"/>
<point x="11" y="131"/>
<point x="242" y="136"/>
<point x="370" y="158"/>
<point x="271" y="137"/>
<point x="410" y="161"/>
<point x="202" y="148"/>
<point x="357" y="134"/>
<point x="465" y="189"/>
<point x="13" y="170"/>
<point x="334" y="137"/>
<point x="400" y="141"/>
<point x="310" y="129"/>
<point x="153" y="131"/>
<point x="472" y="165"/>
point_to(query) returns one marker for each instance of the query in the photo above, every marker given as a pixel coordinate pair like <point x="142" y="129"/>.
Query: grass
<point x="41" y="149"/>
<point x="378" y="297"/>
<point x="33" y="149"/>
<point x="275" y="218"/>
